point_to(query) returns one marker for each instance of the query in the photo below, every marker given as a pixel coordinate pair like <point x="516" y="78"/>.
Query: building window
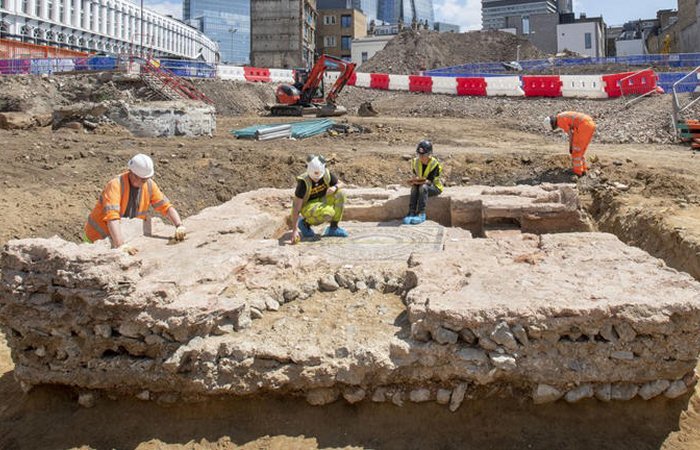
<point x="329" y="20"/>
<point x="329" y="41"/>
<point x="589" y="40"/>
<point x="364" y="57"/>
<point x="346" y="21"/>
<point x="345" y="42"/>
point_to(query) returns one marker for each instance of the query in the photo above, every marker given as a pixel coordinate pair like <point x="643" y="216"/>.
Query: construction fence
<point x="491" y="68"/>
<point x="471" y="83"/>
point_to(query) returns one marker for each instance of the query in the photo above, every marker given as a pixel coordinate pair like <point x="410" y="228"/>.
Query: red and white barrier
<point x="399" y="83"/>
<point x="444" y="85"/>
<point x="585" y="86"/>
<point x="235" y="73"/>
<point x="257" y="75"/>
<point x="363" y="80"/>
<point x="574" y="86"/>
<point x="281" y="76"/>
<point x="542" y="86"/>
<point x="504" y="86"/>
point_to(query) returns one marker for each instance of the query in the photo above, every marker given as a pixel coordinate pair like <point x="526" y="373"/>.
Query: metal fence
<point x="657" y="60"/>
<point x="38" y="66"/>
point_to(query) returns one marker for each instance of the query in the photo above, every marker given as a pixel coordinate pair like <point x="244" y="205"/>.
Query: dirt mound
<point x="413" y="51"/>
<point x="233" y="98"/>
<point x="41" y="94"/>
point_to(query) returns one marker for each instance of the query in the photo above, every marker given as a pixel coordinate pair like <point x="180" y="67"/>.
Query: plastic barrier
<point x="379" y="81"/>
<point x="638" y="84"/>
<point x="329" y="78"/>
<point x="102" y="63"/>
<point x="230" y="73"/>
<point x="508" y="86"/>
<point x="445" y="85"/>
<point x="398" y="83"/>
<point x="584" y="86"/>
<point x="420" y="84"/>
<point x="471" y="86"/>
<point x="612" y="83"/>
<point x="353" y="79"/>
<point x="362" y="79"/>
<point x="281" y="76"/>
<point x="542" y="86"/>
<point x="257" y="75"/>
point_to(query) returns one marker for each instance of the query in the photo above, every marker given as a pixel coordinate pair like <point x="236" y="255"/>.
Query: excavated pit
<point x="505" y="291"/>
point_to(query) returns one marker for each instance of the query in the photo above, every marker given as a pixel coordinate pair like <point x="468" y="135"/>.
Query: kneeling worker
<point x="426" y="182"/>
<point x="129" y="195"/>
<point x="318" y="199"/>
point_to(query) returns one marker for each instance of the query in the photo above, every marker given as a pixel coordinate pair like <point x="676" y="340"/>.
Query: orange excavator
<point x="306" y="96"/>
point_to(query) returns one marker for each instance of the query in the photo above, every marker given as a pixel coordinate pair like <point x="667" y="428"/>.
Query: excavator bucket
<point x="330" y="110"/>
<point x="367" y="110"/>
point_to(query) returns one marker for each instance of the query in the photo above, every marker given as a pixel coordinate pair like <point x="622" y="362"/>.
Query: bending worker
<point x="318" y="199"/>
<point x="580" y="128"/>
<point x="129" y="195"/>
<point x="425" y="183"/>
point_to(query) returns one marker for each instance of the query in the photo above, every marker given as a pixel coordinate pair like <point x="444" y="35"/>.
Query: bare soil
<point x="645" y="193"/>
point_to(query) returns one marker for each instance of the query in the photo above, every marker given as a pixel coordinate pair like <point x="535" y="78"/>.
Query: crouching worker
<point x="318" y="199"/>
<point x="129" y="195"/>
<point x="580" y="128"/>
<point x="425" y="183"/>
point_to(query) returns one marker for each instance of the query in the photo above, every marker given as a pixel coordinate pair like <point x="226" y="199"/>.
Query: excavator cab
<point x="307" y="95"/>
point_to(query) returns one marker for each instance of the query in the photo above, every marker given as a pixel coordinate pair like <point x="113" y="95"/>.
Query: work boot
<point x="305" y="229"/>
<point x="335" y="232"/>
<point x="418" y="219"/>
<point x="407" y="220"/>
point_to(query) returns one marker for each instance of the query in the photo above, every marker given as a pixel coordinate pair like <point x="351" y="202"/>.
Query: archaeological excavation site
<point x="531" y="306"/>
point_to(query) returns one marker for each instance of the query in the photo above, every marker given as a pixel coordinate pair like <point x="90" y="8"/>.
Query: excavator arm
<point x="315" y="78"/>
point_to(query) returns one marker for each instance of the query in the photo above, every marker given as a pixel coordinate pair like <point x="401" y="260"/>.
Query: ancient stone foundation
<point x="151" y="119"/>
<point x="442" y="311"/>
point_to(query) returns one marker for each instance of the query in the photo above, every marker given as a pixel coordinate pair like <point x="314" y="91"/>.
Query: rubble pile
<point x="645" y="122"/>
<point x="413" y="51"/>
<point x="235" y="311"/>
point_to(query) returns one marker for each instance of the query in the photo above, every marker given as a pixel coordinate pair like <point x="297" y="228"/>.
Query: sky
<point x="467" y="13"/>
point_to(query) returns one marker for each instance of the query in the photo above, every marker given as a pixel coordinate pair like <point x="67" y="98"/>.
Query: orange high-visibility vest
<point x="113" y="202"/>
<point x="570" y="121"/>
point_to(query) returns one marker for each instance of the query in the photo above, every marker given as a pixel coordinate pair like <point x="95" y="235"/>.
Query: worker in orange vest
<point x="130" y="195"/>
<point x="580" y="128"/>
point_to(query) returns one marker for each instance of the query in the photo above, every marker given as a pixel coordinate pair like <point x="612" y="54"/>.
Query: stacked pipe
<point x="275" y="132"/>
<point x="297" y="130"/>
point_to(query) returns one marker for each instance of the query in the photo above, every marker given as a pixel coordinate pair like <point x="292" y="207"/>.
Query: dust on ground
<point x="49" y="180"/>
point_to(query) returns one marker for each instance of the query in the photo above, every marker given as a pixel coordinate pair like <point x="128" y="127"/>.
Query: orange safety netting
<point x="14" y="49"/>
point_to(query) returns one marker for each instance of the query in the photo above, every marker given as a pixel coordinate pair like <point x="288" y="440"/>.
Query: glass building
<point x="495" y="12"/>
<point x="393" y="11"/>
<point x="224" y="21"/>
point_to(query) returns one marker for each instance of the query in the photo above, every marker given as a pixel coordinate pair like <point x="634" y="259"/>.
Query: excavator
<point x="306" y="96"/>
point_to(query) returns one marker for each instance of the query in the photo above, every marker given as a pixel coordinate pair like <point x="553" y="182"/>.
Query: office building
<point x="283" y="34"/>
<point x="224" y="21"/>
<point x="336" y="30"/>
<point x="494" y="13"/>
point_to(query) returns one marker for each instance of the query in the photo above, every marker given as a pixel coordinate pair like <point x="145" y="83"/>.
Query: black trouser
<point x="419" y="197"/>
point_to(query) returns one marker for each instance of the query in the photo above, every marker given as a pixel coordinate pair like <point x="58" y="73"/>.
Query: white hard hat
<point x="141" y="165"/>
<point x="547" y="123"/>
<point x="316" y="168"/>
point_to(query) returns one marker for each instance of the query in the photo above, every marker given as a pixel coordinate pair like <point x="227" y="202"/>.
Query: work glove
<point x="126" y="248"/>
<point x="180" y="233"/>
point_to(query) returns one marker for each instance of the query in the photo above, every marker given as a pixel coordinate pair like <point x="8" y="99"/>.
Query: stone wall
<point x="234" y="310"/>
